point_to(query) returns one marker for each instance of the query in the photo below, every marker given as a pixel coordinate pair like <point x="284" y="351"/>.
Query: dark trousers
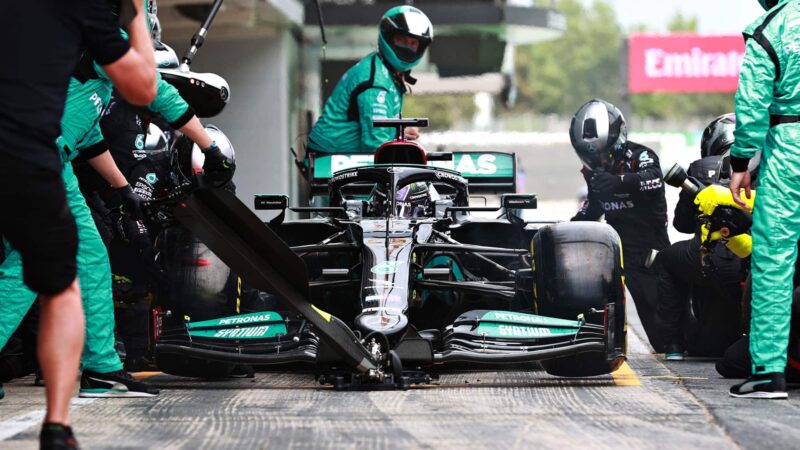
<point x="643" y="286"/>
<point x="714" y="319"/>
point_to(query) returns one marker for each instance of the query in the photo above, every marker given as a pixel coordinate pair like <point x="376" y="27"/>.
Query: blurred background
<point x="503" y="75"/>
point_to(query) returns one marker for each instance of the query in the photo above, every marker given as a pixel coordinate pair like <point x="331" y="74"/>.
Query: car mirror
<point x="519" y="201"/>
<point x="270" y="202"/>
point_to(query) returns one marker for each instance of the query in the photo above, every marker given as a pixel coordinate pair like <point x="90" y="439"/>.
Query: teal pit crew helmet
<point x="768" y="4"/>
<point x="406" y="21"/>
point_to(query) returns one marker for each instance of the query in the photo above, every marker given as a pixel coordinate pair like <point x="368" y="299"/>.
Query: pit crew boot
<point x="113" y="385"/>
<point x="55" y="436"/>
<point x="674" y="352"/>
<point x="766" y="386"/>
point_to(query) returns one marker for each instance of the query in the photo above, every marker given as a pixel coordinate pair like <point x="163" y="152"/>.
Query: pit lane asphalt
<point x="652" y="405"/>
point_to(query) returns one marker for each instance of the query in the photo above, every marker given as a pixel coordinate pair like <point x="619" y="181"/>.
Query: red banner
<point x="684" y="63"/>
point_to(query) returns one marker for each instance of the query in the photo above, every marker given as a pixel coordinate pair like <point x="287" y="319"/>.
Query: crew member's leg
<point x="37" y="223"/>
<point x="776" y="228"/>
<point x="102" y="369"/>
<point x="735" y="363"/>
<point x="94" y="271"/>
<point x="643" y="286"/>
<point x="673" y="293"/>
<point x="61" y="332"/>
<point x="16" y="297"/>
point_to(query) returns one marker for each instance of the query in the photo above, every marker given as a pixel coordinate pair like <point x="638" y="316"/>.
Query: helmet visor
<point x="407" y="47"/>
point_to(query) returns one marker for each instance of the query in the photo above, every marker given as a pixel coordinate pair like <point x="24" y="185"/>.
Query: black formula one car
<point x="397" y="279"/>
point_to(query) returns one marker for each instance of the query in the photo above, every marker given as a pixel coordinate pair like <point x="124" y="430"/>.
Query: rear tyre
<point x="200" y="287"/>
<point x="577" y="270"/>
<point x="199" y="283"/>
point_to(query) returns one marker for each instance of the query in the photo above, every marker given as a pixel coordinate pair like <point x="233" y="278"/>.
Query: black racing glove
<point x="603" y="182"/>
<point x="131" y="202"/>
<point x="218" y="168"/>
<point x="136" y="234"/>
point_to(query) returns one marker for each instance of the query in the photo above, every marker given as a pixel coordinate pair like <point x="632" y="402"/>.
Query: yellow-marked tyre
<point x="578" y="272"/>
<point x="582" y="365"/>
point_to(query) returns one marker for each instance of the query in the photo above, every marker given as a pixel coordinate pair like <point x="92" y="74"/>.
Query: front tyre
<point x="582" y="365"/>
<point x="578" y="273"/>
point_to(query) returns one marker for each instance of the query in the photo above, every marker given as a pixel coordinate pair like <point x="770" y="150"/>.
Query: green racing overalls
<point x="367" y="91"/>
<point x="768" y="118"/>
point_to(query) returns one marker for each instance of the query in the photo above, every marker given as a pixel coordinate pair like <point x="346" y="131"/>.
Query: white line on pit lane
<point x="17" y="424"/>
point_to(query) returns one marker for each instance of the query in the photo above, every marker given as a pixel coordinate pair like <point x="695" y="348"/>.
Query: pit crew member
<point x="625" y="184"/>
<point x="767" y="108"/>
<point x="716" y="286"/>
<point x="374" y="88"/>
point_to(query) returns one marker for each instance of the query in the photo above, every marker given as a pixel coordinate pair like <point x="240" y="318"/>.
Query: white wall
<point x="256" y="118"/>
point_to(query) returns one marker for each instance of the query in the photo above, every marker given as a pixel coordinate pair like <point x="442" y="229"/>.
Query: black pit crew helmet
<point x="598" y="134"/>
<point x="718" y="136"/>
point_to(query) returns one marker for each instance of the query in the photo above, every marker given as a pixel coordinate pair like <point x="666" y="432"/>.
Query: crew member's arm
<point x="130" y="65"/>
<point x="94" y="149"/>
<point x="181" y="116"/>
<point x="647" y="177"/>
<point x="374" y="104"/>
<point x="178" y="114"/>
<point x="104" y="165"/>
<point x="753" y="99"/>
<point x="591" y="209"/>
<point x="685" y="220"/>
<point x="196" y="132"/>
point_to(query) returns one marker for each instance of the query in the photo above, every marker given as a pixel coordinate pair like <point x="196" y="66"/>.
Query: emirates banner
<point x="684" y="63"/>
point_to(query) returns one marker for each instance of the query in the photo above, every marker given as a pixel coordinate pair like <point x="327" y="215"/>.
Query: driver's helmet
<point x="219" y="138"/>
<point x="598" y="134"/>
<point x="412" y="200"/>
<point x="718" y="136"/>
<point x="768" y="4"/>
<point x="406" y="21"/>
